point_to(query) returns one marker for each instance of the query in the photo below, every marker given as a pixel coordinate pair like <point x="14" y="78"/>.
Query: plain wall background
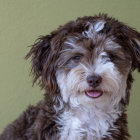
<point x="22" y="21"/>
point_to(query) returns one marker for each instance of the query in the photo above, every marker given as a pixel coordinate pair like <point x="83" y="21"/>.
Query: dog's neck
<point x="88" y="122"/>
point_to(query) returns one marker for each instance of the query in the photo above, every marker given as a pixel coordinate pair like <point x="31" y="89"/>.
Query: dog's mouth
<point x="94" y="93"/>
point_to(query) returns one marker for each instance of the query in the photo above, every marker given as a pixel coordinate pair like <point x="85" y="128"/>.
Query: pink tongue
<point x="94" y="94"/>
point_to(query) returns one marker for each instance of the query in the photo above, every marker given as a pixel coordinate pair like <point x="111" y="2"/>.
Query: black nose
<point x="94" y="81"/>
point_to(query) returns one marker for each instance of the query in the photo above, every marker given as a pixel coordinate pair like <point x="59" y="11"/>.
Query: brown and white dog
<point x="85" y="68"/>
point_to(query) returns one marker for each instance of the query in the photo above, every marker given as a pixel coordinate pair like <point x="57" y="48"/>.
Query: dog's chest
<point x="84" y="125"/>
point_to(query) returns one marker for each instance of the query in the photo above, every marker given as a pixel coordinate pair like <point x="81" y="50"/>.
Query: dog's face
<point x="92" y="69"/>
<point x="89" y="60"/>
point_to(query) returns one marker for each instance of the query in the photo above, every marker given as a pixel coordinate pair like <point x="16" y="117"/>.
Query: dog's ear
<point x="130" y="38"/>
<point x="136" y="51"/>
<point x="43" y="57"/>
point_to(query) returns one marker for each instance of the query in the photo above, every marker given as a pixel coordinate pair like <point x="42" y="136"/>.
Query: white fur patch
<point x="87" y="123"/>
<point x="93" y="29"/>
<point x="99" y="26"/>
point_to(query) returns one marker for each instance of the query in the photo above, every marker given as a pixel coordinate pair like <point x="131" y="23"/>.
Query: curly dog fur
<point x="86" y="69"/>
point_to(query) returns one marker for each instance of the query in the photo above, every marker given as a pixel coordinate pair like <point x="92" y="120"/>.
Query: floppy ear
<point x="43" y="63"/>
<point x="136" y="51"/>
<point x="131" y="39"/>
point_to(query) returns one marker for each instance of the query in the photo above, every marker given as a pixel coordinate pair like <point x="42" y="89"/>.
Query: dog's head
<point x="90" y="60"/>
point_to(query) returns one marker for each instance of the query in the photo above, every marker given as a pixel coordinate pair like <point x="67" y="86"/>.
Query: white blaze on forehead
<point x="93" y="28"/>
<point x="99" y="26"/>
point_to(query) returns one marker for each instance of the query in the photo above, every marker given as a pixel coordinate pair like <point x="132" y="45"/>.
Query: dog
<point x="85" y="68"/>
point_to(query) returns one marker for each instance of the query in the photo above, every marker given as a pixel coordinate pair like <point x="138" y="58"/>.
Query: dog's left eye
<point x="77" y="58"/>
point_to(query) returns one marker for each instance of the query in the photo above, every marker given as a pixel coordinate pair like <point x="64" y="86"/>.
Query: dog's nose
<point x="94" y="81"/>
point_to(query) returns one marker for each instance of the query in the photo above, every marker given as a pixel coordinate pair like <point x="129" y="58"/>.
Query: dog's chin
<point x="94" y="94"/>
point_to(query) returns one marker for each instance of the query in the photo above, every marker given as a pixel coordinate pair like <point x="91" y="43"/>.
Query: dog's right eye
<point x="77" y="58"/>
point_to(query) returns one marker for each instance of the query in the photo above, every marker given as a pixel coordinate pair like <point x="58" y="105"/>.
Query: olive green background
<point x="22" y="21"/>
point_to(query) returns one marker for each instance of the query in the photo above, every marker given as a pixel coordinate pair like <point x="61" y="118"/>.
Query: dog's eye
<point x="112" y="57"/>
<point x="77" y="58"/>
